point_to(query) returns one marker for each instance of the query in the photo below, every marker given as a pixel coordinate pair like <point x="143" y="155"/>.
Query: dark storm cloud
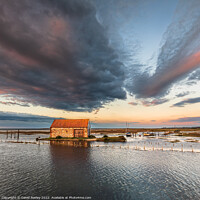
<point x="187" y="119"/>
<point x="179" y="54"/>
<point x="78" y="55"/>
<point x="9" y="116"/>
<point x="56" y="54"/>
<point x="186" y="102"/>
<point x="10" y="103"/>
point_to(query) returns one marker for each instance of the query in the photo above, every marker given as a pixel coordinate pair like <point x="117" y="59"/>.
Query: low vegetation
<point x="192" y="134"/>
<point x="174" y="141"/>
<point x="91" y="136"/>
<point x="191" y="140"/>
<point x="168" y="133"/>
<point x="112" y="139"/>
<point x="135" y="130"/>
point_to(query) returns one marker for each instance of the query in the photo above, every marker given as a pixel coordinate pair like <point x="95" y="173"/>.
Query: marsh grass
<point x="112" y="139"/>
<point x="174" y="141"/>
<point x="191" y="140"/>
<point x="192" y="134"/>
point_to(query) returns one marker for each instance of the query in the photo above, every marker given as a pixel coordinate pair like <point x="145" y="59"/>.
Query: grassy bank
<point x="108" y="131"/>
<point x="112" y="139"/>
<point x="68" y="139"/>
<point x="193" y="134"/>
<point x="103" y="139"/>
<point x="135" y="130"/>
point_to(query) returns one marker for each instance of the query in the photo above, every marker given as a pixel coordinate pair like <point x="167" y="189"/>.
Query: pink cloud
<point x="184" y="66"/>
<point x="38" y="89"/>
<point x="2" y="92"/>
<point x="133" y="103"/>
<point x="7" y="91"/>
<point x="59" y="27"/>
<point x="20" y="58"/>
<point x="153" y="102"/>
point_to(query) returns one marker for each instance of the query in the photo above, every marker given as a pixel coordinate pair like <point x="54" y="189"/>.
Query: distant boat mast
<point x="127" y="126"/>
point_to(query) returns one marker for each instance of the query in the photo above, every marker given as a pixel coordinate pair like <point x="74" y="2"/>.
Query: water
<point x="110" y="172"/>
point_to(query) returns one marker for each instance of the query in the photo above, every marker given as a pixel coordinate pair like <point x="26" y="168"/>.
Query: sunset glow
<point x="102" y="61"/>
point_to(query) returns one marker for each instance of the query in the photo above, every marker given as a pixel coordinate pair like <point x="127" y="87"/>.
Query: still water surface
<point x="99" y="173"/>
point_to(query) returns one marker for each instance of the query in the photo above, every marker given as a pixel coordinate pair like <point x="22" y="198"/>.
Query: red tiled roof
<point x="70" y="123"/>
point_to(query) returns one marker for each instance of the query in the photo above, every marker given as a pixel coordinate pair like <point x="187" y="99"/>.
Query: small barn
<point x="70" y="128"/>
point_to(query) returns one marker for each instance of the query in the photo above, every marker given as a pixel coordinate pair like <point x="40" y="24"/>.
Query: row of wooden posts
<point x="23" y="142"/>
<point x="136" y="147"/>
<point x="145" y="148"/>
<point x="12" y="134"/>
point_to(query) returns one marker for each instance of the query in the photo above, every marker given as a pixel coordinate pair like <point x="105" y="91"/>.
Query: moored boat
<point x="128" y="134"/>
<point x="149" y="134"/>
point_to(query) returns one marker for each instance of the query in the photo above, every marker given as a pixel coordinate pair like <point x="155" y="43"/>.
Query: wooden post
<point x="192" y="149"/>
<point x="7" y="135"/>
<point x="18" y="135"/>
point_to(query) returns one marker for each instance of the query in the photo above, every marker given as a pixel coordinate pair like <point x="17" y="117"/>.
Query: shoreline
<point x="103" y="139"/>
<point x="195" y="132"/>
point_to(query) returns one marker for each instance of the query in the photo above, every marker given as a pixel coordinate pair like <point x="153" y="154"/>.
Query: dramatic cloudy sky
<point x="113" y="62"/>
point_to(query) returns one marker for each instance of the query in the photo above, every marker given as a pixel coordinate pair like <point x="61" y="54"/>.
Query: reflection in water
<point x="71" y="143"/>
<point x="71" y="167"/>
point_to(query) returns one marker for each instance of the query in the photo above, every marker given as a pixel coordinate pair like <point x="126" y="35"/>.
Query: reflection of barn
<point x="70" y="128"/>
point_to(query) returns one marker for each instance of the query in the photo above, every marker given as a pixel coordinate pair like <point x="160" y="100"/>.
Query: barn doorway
<point x="78" y="132"/>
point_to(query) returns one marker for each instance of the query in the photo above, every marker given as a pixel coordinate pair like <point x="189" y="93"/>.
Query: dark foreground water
<point x="52" y="170"/>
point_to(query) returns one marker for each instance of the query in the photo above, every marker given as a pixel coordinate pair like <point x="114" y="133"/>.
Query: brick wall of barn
<point x="66" y="132"/>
